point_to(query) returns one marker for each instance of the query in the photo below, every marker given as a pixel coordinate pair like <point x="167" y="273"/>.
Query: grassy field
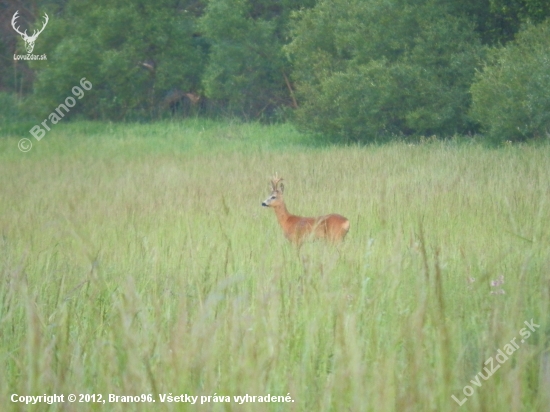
<point x="137" y="260"/>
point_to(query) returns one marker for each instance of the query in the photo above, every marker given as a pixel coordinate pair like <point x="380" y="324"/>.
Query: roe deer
<point x="296" y="228"/>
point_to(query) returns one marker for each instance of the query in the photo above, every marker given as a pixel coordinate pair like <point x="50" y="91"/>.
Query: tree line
<point x="355" y="70"/>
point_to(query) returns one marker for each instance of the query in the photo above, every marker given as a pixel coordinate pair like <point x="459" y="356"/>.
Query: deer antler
<point x="275" y="182"/>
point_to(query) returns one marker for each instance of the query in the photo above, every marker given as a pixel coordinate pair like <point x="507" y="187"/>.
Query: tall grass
<point x="136" y="259"/>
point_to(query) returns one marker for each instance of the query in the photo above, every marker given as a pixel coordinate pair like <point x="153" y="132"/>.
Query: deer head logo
<point x="29" y="40"/>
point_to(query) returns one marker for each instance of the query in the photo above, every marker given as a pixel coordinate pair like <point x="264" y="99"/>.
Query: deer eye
<point x="273" y="197"/>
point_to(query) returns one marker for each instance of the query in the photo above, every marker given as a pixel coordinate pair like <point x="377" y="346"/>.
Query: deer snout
<point x="264" y="204"/>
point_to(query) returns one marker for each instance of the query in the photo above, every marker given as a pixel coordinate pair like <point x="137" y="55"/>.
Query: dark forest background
<point x="354" y="70"/>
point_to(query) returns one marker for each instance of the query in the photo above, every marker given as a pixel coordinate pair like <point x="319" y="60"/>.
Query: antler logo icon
<point x="29" y="40"/>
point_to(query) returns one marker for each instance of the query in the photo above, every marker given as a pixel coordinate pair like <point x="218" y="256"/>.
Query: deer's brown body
<point x="332" y="227"/>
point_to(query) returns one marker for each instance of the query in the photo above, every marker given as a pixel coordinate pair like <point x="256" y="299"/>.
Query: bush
<point x="510" y="95"/>
<point x="246" y="69"/>
<point x="135" y="54"/>
<point x="369" y="69"/>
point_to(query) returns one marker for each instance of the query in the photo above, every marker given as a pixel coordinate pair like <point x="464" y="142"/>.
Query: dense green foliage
<point x="247" y="68"/>
<point x="512" y="14"/>
<point x="510" y="95"/>
<point x="354" y="70"/>
<point x="135" y="54"/>
<point x="374" y="68"/>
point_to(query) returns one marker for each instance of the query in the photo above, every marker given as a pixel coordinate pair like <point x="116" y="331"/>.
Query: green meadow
<point x="136" y="261"/>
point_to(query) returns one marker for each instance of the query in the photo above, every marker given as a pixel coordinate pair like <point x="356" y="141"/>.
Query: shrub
<point x="368" y="69"/>
<point x="135" y="55"/>
<point x="510" y="95"/>
<point x="246" y="69"/>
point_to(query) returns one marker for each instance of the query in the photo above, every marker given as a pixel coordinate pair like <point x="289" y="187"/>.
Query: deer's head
<point x="29" y="40"/>
<point x="276" y="196"/>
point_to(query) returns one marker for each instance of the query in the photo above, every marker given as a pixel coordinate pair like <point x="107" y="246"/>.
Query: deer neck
<point x="282" y="214"/>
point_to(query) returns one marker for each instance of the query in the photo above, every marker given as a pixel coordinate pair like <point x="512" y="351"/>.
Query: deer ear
<point x="282" y="187"/>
